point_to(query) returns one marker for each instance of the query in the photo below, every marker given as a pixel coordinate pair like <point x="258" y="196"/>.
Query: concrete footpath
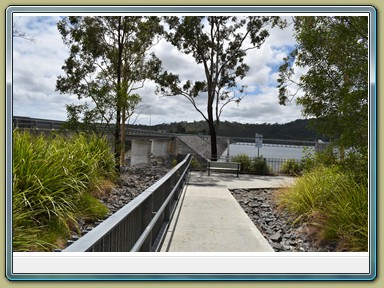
<point x="209" y="219"/>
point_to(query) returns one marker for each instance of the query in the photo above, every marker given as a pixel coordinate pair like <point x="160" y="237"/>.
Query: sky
<point x="37" y="64"/>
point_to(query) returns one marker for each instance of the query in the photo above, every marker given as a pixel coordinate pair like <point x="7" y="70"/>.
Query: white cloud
<point x="36" y="66"/>
<point x="262" y="108"/>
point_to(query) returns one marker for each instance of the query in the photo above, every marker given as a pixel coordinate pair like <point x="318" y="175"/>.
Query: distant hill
<point x="300" y="129"/>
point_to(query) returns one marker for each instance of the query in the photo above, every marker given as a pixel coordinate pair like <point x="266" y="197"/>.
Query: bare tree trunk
<point x="212" y="132"/>
<point x="118" y="100"/>
<point x="122" y="152"/>
<point x="117" y="138"/>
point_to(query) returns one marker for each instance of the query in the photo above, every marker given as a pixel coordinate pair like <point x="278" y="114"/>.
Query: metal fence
<point x="274" y="164"/>
<point x="141" y="225"/>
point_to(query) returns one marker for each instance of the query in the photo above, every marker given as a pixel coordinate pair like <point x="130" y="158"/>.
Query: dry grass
<point x="104" y="189"/>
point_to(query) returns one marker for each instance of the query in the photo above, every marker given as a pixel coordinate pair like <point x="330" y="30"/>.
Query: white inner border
<point x="172" y="262"/>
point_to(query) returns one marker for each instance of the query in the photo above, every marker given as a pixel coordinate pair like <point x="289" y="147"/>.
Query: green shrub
<point x="291" y="167"/>
<point x="311" y="159"/>
<point x="245" y="162"/>
<point x="254" y="166"/>
<point x="195" y="165"/>
<point x="353" y="162"/>
<point x="51" y="175"/>
<point x="333" y="203"/>
<point x="356" y="163"/>
<point x="174" y="163"/>
<point x="259" y="166"/>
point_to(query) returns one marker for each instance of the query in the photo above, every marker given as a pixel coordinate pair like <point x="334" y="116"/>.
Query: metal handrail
<point x="136" y="227"/>
<point x="150" y="226"/>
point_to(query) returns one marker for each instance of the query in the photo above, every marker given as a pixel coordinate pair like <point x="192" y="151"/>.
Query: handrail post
<point x="146" y="215"/>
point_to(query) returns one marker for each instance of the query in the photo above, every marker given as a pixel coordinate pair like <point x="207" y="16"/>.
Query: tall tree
<point x="108" y="62"/>
<point x="334" y="51"/>
<point x="219" y="45"/>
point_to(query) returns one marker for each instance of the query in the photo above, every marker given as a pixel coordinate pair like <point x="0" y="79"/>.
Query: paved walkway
<point x="209" y="219"/>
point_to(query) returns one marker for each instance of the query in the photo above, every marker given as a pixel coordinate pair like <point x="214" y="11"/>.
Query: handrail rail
<point x="147" y="230"/>
<point x="136" y="227"/>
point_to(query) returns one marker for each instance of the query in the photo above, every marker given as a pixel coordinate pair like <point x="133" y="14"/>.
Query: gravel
<point x="132" y="182"/>
<point x="275" y="225"/>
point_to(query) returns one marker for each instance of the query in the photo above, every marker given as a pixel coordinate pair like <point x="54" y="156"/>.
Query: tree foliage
<point x="334" y="50"/>
<point x="219" y="45"/>
<point x="296" y="130"/>
<point x="108" y="62"/>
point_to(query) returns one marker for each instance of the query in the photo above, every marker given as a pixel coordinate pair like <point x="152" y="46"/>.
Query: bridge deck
<point x="209" y="219"/>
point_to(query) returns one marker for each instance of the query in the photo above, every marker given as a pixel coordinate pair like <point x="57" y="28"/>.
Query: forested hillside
<point x="300" y="129"/>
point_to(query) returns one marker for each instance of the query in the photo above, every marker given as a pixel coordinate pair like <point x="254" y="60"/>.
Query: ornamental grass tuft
<point x="52" y="175"/>
<point x="333" y="204"/>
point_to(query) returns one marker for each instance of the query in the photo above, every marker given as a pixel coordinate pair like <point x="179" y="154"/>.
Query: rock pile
<point x="276" y="226"/>
<point x="133" y="181"/>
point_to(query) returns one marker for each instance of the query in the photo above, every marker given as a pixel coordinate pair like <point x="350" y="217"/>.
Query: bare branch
<point x="17" y="33"/>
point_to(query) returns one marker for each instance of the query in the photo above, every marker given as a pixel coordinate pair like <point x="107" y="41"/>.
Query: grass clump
<point x="53" y="178"/>
<point x="90" y="208"/>
<point x="333" y="204"/>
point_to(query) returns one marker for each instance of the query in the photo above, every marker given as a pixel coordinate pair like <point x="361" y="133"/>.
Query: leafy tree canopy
<point x="108" y="62"/>
<point x="334" y="50"/>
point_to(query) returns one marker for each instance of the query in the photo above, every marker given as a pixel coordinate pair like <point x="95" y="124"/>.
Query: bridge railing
<point x="45" y="124"/>
<point x="40" y="124"/>
<point x="141" y="225"/>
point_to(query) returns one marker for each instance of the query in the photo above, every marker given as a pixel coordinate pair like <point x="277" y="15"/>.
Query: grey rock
<point x="276" y="237"/>
<point x="254" y="204"/>
<point x="269" y="231"/>
<point x="287" y="248"/>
